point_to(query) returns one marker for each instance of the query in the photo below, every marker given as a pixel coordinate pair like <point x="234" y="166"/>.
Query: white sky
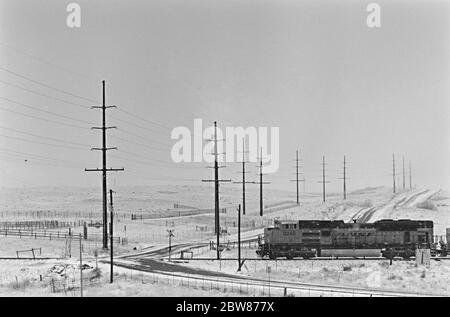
<point x="312" y="68"/>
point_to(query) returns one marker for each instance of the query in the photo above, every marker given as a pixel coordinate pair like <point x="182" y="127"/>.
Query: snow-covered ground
<point x="61" y="278"/>
<point x="401" y="276"/>
<point x="151" y="234"/>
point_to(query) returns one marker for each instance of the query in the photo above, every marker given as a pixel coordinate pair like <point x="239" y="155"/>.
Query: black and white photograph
<point x="235" y="151"/>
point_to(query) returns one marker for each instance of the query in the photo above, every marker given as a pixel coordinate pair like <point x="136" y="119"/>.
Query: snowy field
<point x="402" y="276"/>
<point x="20" y="278"/>
<point x="73" y="204"/>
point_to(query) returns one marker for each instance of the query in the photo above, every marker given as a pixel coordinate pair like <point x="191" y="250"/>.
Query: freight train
<point x="316" y="238"/>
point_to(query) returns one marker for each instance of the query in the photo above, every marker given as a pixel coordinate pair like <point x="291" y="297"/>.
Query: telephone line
<point x="43" y="137"/>
<point x="46" y="85"/>
<point x="44" y="95"/>
<point x="44" y="111"/>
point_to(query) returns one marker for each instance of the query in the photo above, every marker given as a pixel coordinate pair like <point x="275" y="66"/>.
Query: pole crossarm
<point x="103" y="149"/>
<point x="101" y="169"/>
<point x="103" y="128"/>
<point x="103" y="107"/>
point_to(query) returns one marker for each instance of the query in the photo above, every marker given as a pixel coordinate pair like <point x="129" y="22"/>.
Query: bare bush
<point x="428" y="204"/>
<point x="365" y="204"/>
<point x="23" y="284"/>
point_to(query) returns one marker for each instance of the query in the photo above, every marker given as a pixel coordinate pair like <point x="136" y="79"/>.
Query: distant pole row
<point x="403" y="174"/>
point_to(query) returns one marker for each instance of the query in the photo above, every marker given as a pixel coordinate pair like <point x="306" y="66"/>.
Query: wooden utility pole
<point x="297" y="180"/>
<point x="243" y="176"/>
<point x="261" y="200"/>
<point x="393" y="171"/>
<point x="410" y="176"/>
<point x="345" y="179"/>
<point x="216" y="189"/>
<point x="81" y="269"/>
<point x="403" y="166"/>
<point x="170" y="232"/>
<point x="104" y="169"/>
<point x="111" y="235"/>
<point x="239" y="238"/>
<point x="296" y="176"/>
<point x="324" y="181"/>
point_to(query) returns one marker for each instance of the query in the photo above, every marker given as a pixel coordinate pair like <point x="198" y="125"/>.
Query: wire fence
<point x="55" y="235"/>
<point x="59" y="214"/>
<point x="39" y="224"/>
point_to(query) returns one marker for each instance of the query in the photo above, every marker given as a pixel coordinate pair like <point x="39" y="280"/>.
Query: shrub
<point x="427" y="204"/>
<point x="366" y="203"/>
<point x="20" y="285"/>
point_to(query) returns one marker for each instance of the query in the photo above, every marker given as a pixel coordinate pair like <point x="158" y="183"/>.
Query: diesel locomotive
<point x="315" y="238"/>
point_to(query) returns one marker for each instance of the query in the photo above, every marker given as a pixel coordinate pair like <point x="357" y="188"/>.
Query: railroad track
<point x="366" y="214"/>
<point x="310" y="259"/>
<point x="314" y="289"/>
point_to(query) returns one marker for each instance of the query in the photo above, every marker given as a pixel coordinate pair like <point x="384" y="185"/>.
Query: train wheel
<point x="272" y="256"/>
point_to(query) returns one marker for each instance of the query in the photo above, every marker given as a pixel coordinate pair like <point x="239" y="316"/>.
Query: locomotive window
<point x="407" y="237"/>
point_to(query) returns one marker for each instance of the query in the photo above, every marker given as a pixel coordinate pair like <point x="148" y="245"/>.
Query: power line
<point x="42" y="60"/>
<point x="43" y="119"/>
<point x="154" y="148"/>
<point x="137" y="126"/>
<point x="152" y="164"/>
<point x="46" y="85"/>
<point x="13" y="158"/>
<point x="44" y="95"/>
<point x="43" y="143"/>
<point x="43" y="137"/>
<point x="37" y="156"/>
<point x="144" y="138"/>
<point x="145" y="120"/>
<point x="44" y="111"/>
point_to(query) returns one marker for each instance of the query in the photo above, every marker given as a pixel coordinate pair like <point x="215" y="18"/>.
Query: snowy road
<point x="387" y="210"/>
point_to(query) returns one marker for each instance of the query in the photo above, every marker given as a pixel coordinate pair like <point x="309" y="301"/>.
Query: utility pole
<point x="403" y="166"/>
<point x="345" y="189"/>
<point x="296" y="177"/>
<point x="393" y="170"/>
<point x="239" y="238"/>
<point x="216" y="189"/>
<point x="81" y="268"/>
<point x="323" y="179"/>
<point x="344" y="178"/>
<point x="111" y="234"/>
<point x="170" y="231"/>
<point x="410" y="176"/>
<point x="243" y="176"/>
<point x="261" y="201"/>
<point x="104" y="169"/>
